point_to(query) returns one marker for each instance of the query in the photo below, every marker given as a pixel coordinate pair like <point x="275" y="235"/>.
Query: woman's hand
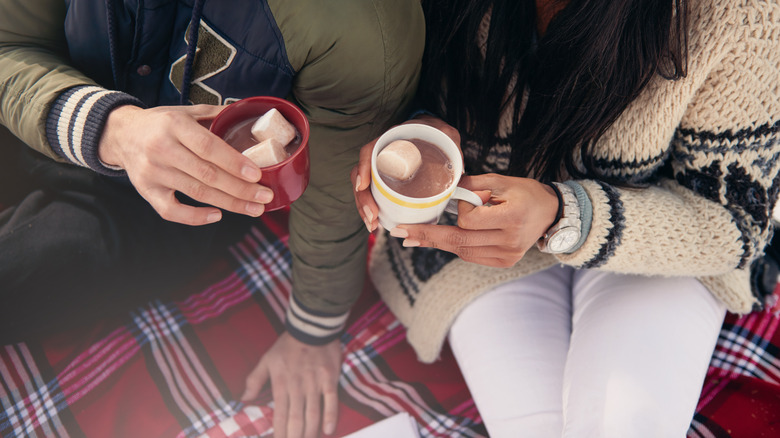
<point x="169" y="149"/>
<point x="361" y="174"/>
<point x="304" y="382"/>
<point x="499" y="234"/>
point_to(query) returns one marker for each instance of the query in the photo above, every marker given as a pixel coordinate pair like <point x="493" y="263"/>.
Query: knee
<point x="628" y="411"/>
<point x="538" y="425"/>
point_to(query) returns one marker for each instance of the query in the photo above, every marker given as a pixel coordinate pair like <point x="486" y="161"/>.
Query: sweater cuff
<point x="76" y="121"/>
<point x="312" y="327"/>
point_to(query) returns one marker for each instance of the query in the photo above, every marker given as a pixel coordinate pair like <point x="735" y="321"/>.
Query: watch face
<point x="563" y="240"/>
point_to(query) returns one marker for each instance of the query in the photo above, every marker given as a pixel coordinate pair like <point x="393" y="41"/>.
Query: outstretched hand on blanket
<point x="304" y="381"/>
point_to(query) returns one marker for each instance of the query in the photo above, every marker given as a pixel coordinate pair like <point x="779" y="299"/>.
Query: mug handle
<point x="463" y="195"/>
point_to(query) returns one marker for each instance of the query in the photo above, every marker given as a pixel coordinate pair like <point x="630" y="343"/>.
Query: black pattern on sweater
<point x="615" y="234"/>
<point x="747" y="199"/>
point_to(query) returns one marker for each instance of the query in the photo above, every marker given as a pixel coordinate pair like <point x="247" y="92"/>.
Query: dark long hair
<point x="593" y="60"/>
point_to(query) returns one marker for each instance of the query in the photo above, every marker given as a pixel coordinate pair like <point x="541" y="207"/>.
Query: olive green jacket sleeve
<point x="357" y="65"/>
<point x="33" y="69"/>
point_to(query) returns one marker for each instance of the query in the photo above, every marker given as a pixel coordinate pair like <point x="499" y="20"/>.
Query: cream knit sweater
<point x="720" y="129"/>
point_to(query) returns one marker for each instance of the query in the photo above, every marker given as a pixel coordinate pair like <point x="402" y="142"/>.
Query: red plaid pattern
<point x="176" y="369"/>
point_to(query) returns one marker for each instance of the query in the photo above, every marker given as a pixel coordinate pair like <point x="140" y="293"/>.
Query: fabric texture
<point x="76" y="121"/>
<point x="175" y="367"/>
<point x="573" y="367"/>
<point x="352" y="66"/>
<point x="704" y="150"/>
<point x="50" y="277"/>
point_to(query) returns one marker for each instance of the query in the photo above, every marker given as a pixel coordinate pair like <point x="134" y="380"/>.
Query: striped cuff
<point x="313" y="328"/>
<point x="586" y="213"/>
<point x="76" y="120"/>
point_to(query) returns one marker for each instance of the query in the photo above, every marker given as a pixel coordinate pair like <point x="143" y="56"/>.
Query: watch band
<point x="559" y="213"/>
<point x="564" y="234"/>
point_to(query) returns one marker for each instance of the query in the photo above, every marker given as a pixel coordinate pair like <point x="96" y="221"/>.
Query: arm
<point x="65" y="115"/>
<point x="357" y="71"/>
<point x="710" y="215"/>
<point x="709" y="146"/>
<point x="33" y="68"/>
<point x="357" y="68"/>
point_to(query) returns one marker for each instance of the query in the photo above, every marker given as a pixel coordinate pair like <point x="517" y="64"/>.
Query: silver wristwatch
<point x="562" y="236"/>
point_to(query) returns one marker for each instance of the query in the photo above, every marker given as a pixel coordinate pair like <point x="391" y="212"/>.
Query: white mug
<point x="395" y="208"/>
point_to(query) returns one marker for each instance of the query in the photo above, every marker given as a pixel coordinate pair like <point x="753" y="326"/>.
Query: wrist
<point x="564" y="235"/>
<point x="559" y="213"/>
<point x="109" y="147"/>
<point x="75" y="124"/>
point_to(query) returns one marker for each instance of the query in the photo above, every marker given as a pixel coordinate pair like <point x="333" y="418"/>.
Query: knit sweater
<point x="717" y="129"/>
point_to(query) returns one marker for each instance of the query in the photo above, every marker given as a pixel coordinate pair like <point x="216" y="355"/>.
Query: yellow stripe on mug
<point x="402" y="202"/>
<point x="396" y="209"/>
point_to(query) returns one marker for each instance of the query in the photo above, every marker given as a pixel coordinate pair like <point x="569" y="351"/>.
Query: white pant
<point x="583" y="353"/>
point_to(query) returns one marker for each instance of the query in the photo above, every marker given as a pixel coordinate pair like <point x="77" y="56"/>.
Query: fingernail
<point x="367" y="212"/>
<point x="399" y="232"/>
<point x="410" y="243"/>
<point x="357" y="183"/>
<point x="264" y="196"/>
<point x="254" y="209"/>
<point x="368" y="225"/>
<point x="213" y="217"/>
<point x="251" y="173"/>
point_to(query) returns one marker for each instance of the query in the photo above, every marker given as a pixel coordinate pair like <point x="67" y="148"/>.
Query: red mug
<point x="287" y="179"/>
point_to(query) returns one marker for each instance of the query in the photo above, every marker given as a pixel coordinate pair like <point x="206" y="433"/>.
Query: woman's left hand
<point x="361" y="174"/>
<point x="499" y="234"/>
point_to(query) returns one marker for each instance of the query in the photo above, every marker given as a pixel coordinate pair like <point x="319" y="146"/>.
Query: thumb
<point x="489" y="182"/>
<point x="255" y="381"/>
<point x="481" y="185"/>
<point x="204" y="114"/>
<point x="203" y="111"/>
<point x="465" y="207"/>
<point x="363" y="178"/>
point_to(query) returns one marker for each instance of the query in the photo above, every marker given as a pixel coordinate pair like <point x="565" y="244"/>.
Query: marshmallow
<point x="267" y="153"/>
<point x="399" y="160"/>
<point x="272" y="124"/>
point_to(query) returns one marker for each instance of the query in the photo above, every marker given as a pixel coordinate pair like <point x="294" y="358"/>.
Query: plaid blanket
<point x="176" y="368"/>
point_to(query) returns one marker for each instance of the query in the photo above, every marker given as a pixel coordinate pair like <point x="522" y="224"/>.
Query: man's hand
<point x="169" y="149"/>
<point x="304" y="381"/>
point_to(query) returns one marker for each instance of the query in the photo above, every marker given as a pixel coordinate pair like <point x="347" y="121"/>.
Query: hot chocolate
<point x="241" y="138"/>
<point x="434" y="175"/>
